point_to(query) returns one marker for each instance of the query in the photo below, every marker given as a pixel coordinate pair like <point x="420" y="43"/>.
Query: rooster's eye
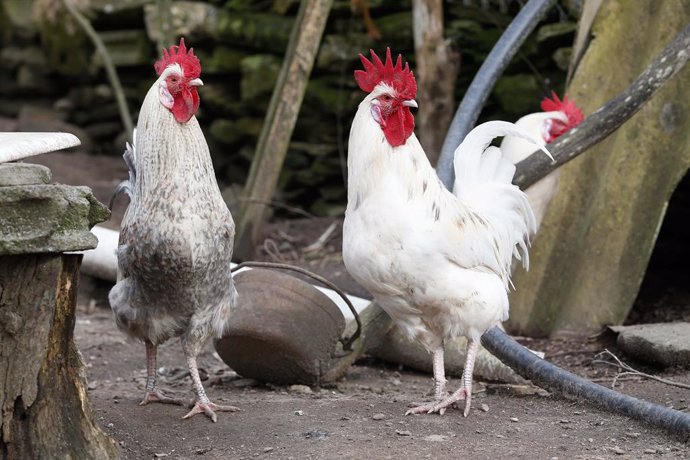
<point x="386" y="98"/>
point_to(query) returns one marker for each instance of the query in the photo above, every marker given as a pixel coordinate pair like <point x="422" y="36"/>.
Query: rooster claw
<point x="441" y="406"/>
<point x="426" y="408"/>
<point x="209" y="409"/>
<point x="157" y="396"/>
<point x="461" y="394"/>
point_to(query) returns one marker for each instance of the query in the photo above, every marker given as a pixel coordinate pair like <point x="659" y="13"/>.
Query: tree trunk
<point x="594" y="244"/>
<point x="436" y="71"/>
<point x="45" y="410"/>
<point x="280" y="122"/>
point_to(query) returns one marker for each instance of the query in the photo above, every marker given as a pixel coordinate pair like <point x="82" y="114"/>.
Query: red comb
<point x="573" y="112"/>
<point x="178" y="54"/>
<point x="401" y="79"/>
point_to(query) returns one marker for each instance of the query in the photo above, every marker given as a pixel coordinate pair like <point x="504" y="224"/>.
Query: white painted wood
<point x="15" y="146"/>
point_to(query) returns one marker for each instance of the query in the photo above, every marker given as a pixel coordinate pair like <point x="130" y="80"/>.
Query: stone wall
<point x="52" y="79"/>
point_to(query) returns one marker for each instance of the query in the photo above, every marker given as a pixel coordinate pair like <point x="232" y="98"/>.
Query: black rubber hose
<point x="521" y="360"/>
<point x="482" y="84"/>
<point x="545" y="375"/>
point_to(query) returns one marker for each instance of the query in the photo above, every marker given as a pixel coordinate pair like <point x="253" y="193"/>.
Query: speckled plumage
<point x="176" y="238"/>
<point x="177" y="235"/>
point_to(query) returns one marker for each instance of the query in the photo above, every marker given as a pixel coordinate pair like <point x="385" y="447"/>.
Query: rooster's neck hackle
<point x="371" y="157"/>
<point x="169" y="152"/>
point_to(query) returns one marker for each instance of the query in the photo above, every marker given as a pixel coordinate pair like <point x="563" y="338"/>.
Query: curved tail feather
<point x="483" y="183"/>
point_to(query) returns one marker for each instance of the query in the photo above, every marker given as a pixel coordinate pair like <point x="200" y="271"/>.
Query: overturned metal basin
<point x="283" y="330"/>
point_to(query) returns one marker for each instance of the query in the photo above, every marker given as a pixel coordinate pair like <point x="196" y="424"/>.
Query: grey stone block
<point x="23" y="174"/>
<point x="662" y="344"/>
<point x="48" y="218"/>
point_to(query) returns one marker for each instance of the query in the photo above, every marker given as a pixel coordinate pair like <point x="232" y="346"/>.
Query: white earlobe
<point x="376" y="112"/>
<point x="164" y="95"/>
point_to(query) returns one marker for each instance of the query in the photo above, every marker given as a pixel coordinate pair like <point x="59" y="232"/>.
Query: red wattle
<point x="185" y="104"/>
<point x="399" y="126"/>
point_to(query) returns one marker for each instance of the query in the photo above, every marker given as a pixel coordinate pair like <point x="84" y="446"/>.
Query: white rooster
<point x="556" y="119"/>
<point x="437" y="262"/>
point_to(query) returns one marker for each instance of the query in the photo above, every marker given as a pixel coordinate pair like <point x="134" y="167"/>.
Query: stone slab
<point x="23" y="174"/>
<point x="660" y="344"/>
<point x="48" y="218"/>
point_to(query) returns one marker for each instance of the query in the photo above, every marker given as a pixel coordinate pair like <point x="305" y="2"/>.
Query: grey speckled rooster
<point x="177" y="234"/>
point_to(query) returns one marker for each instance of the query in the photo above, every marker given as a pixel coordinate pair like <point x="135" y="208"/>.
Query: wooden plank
<point x="592" y="250"/>
<point x="16" y="146"/>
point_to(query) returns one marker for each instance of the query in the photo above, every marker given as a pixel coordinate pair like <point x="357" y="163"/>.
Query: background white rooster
<point x="555" y="120"/>
<point x="437" y="262"/>
<point x="177" y="233"/>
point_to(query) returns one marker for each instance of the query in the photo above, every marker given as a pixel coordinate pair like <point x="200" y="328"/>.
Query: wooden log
<point x="436" y="70"/>
<point x="280" y="122"/>
<point x="396" y="347"/>
<point x="45" y="410"/>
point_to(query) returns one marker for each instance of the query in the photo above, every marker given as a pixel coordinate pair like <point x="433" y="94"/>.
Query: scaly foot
<point x="157" y="396"/>
<point x="441" y="406"/>
<point x="210" y="410"/>
<point x="425" y="408"/>
<point x="459" y="395"/>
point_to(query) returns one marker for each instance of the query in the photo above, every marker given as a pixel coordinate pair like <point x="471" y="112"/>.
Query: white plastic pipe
<point x="101" y="263"/>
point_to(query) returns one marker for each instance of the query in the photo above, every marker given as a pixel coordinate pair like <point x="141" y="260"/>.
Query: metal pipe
<point x="482" y="84"/>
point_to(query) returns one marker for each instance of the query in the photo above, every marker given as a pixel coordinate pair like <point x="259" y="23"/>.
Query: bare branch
<point x="107" y="63"/>
<point x="610" y="116"/>
<point x="625" y="370"/>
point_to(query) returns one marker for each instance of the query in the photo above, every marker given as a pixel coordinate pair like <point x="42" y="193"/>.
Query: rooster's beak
<point x="410" y="103"/>
<point x="196" y="82"/>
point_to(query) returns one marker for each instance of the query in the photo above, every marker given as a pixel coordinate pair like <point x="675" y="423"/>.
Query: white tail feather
<point x="483" y="183"/>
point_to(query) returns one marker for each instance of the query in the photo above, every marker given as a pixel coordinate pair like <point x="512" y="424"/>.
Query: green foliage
<point x="518" y="93"/>
<point x="259" y="75"/>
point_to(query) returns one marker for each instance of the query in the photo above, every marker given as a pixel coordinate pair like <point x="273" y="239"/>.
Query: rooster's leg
<point x="202" y="405"/>
<point x="465" y="391"/>
<point x="439" y="384"/>
<point x="153" y="394"/>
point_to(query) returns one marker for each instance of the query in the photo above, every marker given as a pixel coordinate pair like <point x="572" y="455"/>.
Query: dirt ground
<point x="362" y="415"/>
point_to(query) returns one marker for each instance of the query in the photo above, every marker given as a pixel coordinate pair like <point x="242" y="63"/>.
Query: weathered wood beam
<point x="436" y="71"/>
<point x="280" y="122"/>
